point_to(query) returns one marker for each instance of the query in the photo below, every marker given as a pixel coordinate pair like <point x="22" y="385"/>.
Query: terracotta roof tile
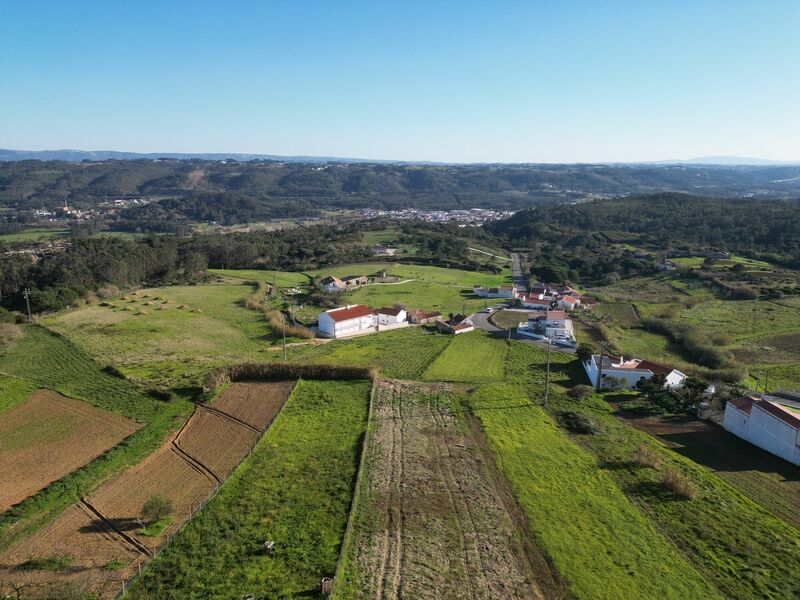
<point x="349" y="312"/>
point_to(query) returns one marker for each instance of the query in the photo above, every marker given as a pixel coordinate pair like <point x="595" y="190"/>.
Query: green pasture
<point x="470" y="357"/>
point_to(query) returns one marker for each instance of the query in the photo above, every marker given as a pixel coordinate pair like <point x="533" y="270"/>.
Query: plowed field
<point x="103" y="528"/>
<point x="49" y="435"/>
<point x="430" y="520"/>
<point x="254" y="403"/>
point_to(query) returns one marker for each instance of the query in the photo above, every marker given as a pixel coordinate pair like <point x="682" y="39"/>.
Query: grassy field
<point x="295" y="489"/>
<point x="13" y="391"/>
<point x="170" y="336"/>
<point x="469" y="357"/>
<point x="430" y="288"/>
<point x="404" y="353"/>
<point x="596" y="538"/>
<point x="754" y="555"/>
<point x="41" y="359"/>
<point x="36" y="234"/>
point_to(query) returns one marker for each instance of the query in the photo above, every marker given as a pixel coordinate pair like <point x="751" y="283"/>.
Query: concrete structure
<point x="503" y="291"/>
<point x="333" y="285"/>
<point x="537" y="301"/>
<point x="390" y="316"/>
<point x="568" y="302"/>
<point x="418" y="316"/>
<point x="618" y="373"/>
<point x="354" y="281"/>
<point x="455" y="328"/>
<point x="346" y="321"/>
<point x="551" y="324"/>
<point x="381" y="250"/>
<point x="769" y="422"/>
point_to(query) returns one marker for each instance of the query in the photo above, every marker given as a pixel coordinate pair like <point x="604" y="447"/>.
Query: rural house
<point x="551" y="324"/>
<point x="333" y="285"/>
<point x="503" y="291"/>
<point x="354" y="281"/>
<point x="346" y="321"/>
<point x="418" y="317"/>
<point x="568" y="302"/>
<point x="771" y="422"/>
<point x="621" y="373"/>
<point x="390" y="316"/>
<point x="381" y="250"/>
<point x="537" y="301"/>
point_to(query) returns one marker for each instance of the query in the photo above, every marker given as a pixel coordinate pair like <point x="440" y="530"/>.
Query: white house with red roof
<point x="391" y="316"/>
<point x="346" y="321"/>
<point x="551" y="324"/>
<point x="503" y="291"/>
<point x="771" y="422"/>
<point x="568" y="302"/>
<point x="537" y="301"/>
<point x="618" y="373"/>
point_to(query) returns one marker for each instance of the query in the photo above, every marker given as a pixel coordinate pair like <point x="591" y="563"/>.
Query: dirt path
<point x="430" y="522"/>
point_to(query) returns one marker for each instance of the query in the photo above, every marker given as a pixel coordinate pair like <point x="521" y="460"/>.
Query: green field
<point x="36" y="234"/>
<point x="170" y="336"/>
<point x="469" y="357"/>
<point x="295" y="489"/>
<point x="596" y="538"/>
<point x="429" y="288"/>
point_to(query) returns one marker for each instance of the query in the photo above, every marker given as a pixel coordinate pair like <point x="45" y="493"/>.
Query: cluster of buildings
<point x="615" y="372"/>
<point x="544" y="296"/>
<point x="470" y="216"/>
<point x="359" y="319"/>
<point x="769" y="421"/>
<point x="334" y="285"/>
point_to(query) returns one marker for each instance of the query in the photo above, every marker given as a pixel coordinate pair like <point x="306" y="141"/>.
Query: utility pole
<point x="547" y="373"/>
<point x="283" y="318"/>
<point x="27" y="293"/>
<point x="600" y="371"/>
<point x="766" y="382"/>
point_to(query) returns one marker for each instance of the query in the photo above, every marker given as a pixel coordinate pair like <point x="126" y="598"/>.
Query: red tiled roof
<point x="349" y="312"/>
<point x="776" y="411"/>
<point x="654" y="367"/>
<point x="744" y="404"/>
<point x="556" y="314"/>
<point x="569" y="299"/>
<point x="460" y="326"/>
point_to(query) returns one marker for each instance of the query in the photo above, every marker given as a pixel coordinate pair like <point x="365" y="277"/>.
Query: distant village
<point x="470" y="216"/>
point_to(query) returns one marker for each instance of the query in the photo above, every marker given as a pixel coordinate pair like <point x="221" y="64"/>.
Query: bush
<point x="692" y="341"/>
<point x="677" y="483"/>
<point x="284" y="371"/>
<point x="645" y="456"/>
<point x="577" y="422"/>
<point x="156" y="508"/>
<point x="579" y="391"/>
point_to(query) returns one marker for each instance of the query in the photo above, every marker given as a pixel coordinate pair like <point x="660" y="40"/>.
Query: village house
<point x="346" y="321"/>
<point x="537" y="301"/>
<point x="390" y="316"/>
<point x="625" y="374"/>
<point x="418" y="317"/>
<point x="382" y="250"/>
<point x="455" y="325"/>
<point x="771" y="422"/>
<point x="503" y="291"/>
<point x="551" y="324"/>
<point x="333" y="285"/>
<point x="568" y="302"/>
<point x="354" y="281"/>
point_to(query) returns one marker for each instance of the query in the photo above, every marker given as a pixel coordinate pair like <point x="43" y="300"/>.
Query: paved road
<point x="517" y="276"/>
<point x="481" y="321"/>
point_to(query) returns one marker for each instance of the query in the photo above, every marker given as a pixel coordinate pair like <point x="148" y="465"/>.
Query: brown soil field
<point x="254" y="403"/>
<point x="431" y="519"/>
<point x="48" y="436"/>
<point x="103" y="527"/>
<point x="763" y="477"/>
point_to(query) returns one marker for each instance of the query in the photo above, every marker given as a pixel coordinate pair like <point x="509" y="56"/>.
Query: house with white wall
<point x="618" y="373"/>
<point x="551" y="324"/>
<point x="346" y="321"/>
<point x="391" y="316"/>
<point x="769" y="422"/>
<point x="333" y="285"/>
<point x="504" y="291"/>
<point x="537" y="301"/>
<point x="568" y="302"/>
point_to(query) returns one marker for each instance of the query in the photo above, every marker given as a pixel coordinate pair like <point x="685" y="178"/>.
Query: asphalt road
<point x="517" y="275"/>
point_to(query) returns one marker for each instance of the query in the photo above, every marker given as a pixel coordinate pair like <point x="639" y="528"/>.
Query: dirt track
<point x="430" y="522"/>
<point x="103" y="528"/>
<point x="48" y="436"/>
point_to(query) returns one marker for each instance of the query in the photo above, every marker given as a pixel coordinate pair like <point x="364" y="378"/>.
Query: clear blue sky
<point x="450" y="81"/>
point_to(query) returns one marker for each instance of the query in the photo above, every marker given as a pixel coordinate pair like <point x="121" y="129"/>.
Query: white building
<point x="551" y="324"/>
<point x="391" y="316"/>
<point x="770" y="422"/>
<point x="333" y="285"/>
<point x="537" y="301"/>
<point x="620" y="373"/>
<point x="568" y="302"/>
<point x="346" y="321"/>
<point x="503" y="291"/>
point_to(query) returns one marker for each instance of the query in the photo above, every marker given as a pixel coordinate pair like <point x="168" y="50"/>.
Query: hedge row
<point x="281" y="371"/>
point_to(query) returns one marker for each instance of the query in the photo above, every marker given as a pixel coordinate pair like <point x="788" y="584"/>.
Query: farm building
<point x="503" y="291"/>
<point x="390" y="316"/>
<point x="381" y="250"/>
<point x="418" y="316"/>
<point x="769" y="422"/>
<point x="345" y="321"/>
<point x="537" y="301"/>
<point x="455" y="328"/>
<point x="620" y="373"/>
<point x="354" y="281"/>
<point x="333" y="285"/>
<point x="568" y="302"/>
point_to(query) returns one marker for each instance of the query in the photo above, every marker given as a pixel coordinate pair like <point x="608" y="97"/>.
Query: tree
<point x="156" y="508"/>
<point x="584" y="351"/>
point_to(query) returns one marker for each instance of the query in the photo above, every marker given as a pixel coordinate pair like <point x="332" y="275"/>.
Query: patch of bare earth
<point x="48" y="436"/>
<point x="103" y="528"/>
<point x="430" y="521"/>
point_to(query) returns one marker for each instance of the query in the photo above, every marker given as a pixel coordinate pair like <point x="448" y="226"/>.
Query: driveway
<point x="517" y="275"/>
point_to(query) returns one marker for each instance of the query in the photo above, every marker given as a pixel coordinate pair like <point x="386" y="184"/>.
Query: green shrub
<point x="577" y="422"/>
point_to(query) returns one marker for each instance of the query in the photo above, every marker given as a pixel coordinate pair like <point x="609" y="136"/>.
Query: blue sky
<point x="450" y="81"/>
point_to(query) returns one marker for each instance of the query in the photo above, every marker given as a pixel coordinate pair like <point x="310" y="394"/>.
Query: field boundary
<point x="348" y="531"/>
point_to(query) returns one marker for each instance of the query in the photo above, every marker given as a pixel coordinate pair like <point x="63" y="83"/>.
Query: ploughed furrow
<point x="428" y="523"/>
<point x="113" y="528"/>
<point x="196" y="464"/>
<point x="230" y="417"/>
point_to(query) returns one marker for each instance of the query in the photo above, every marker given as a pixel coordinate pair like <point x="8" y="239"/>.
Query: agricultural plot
<point x="169" y="336"/>
<point x="295" y="489"/>
<point x="469" y="357"/>
<point x="598" y="540"/>
<point x="429" y="521"/>
<point x="403" y="354"/>
<point x="49" y="435"/>
<point x="253" y="403"/>
<point x="114" y="509"/>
